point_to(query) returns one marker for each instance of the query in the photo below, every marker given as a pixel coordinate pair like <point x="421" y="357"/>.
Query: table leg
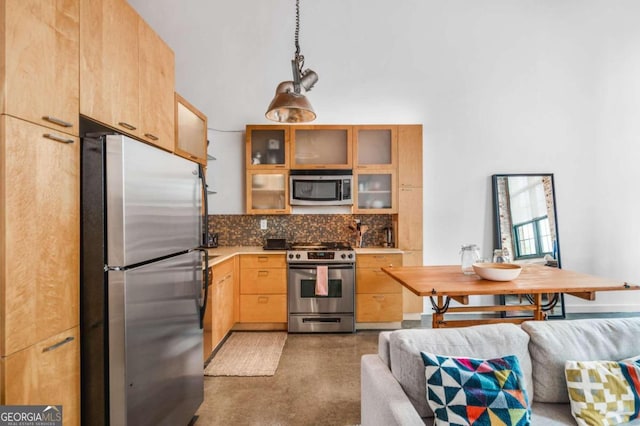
<point x="538" y="313"/>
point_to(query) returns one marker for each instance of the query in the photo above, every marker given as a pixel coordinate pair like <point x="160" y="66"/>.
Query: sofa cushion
<point x="462" y="390"/>
<point x="603" y="392"/>
<point x="554" y="342"/>
<point x="482" y="341"/>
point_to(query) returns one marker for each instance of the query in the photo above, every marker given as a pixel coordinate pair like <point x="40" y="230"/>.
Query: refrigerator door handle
<point x="205" y="200"/>
<point x="205" y="284"/>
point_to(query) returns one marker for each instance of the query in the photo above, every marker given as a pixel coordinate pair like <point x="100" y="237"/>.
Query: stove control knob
<point x="297" y="255"/>
<point x="290" y="255"/>
<point x="350" y="255"/>
<point x="344" y="256"/>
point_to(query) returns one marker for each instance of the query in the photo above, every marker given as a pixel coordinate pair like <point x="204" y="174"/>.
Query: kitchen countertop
<point x="220" y="254"/>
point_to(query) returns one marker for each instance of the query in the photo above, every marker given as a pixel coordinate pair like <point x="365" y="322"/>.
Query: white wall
<point x="499" y="85"/>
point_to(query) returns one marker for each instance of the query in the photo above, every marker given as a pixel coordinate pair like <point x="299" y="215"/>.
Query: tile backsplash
<point x="244" y="230"/>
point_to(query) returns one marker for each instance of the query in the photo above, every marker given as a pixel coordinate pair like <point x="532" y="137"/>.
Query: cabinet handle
<point x="263" y="273"/>
<point x="57" y="138"/>
<point x="263" y="299"/>
<point x="153" y="137"/>
<point x="57" y="345"/>
<point x="378" y="297"/>
<point x="57" y="121"/>
<point x="263" y="259"/>
<point x="126" y="125"/>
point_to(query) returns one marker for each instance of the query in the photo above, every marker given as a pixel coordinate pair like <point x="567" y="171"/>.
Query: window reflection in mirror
<point x="526" y="222"/>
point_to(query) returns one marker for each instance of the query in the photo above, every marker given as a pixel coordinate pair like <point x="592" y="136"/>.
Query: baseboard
<point x="600" y="308"/>
<point x="378" y="325"/>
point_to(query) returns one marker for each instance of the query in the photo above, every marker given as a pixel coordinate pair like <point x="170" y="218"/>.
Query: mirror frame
<point x="497" y="240"/>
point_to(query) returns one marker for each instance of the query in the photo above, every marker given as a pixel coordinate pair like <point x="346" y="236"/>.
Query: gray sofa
<point x="393" y="381"/>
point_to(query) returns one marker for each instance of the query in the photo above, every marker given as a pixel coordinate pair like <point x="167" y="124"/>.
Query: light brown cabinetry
<point x="46" y="373"/>
<point x="263" y="288"/>
<point x="39" y="210"/>
<point x="321" y="147"/>
<point x="267" y="164"/>
<point x="157" y="84"/>
<point x="39" y="317"/>
<point x="126" y="73"/>
<point x="191" y="131"/>
<point x="267" y="192"/>
<point x="410" y="199"/>
<point x="267" y="147"/>
<point x="219" y="316"/>
<point x="376" y="163"/>
<point x="378" y="296"/>
<point x="39" y="62"/>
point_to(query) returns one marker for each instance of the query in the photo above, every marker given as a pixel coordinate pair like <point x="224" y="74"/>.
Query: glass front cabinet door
<point x="267" y="192"/>
<point x="267" y="147"/>
<point x="325" y="147"/>
<point x="375" y="192"/>
<point x="375" y="147"/>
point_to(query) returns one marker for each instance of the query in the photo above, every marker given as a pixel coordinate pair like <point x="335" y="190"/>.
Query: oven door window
<point x="308" y="289"/>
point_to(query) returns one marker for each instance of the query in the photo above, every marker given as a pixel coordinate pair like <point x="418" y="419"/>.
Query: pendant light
<point x="289" y="105"/>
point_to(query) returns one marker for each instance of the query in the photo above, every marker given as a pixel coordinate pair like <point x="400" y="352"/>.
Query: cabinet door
<point x="410" y="218"/>
<point x="191" y="131"/>
<point x="39" y="210"/>
<point x="47" y="373"/>
<point x="410" y="155"/>
<point x="375" y="147"/>
<point x="376" y="192"/>
<point x="267" y="192"/>
<point x="267" y="147"/>
<point x="321" y="147"/>
<point x="157" y="88"/>
<point x="41" y="65"/>
<point x="109" y="83"/>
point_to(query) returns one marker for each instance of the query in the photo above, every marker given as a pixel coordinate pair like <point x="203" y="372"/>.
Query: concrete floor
<point x="317" y="383"/>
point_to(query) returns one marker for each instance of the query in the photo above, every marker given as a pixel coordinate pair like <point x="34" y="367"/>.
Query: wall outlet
<point x="263" y="224"/>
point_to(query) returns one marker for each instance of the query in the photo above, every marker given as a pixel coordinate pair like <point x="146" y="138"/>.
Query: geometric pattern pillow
<point x="603" y="392"/>
<point x="478" y="392"/>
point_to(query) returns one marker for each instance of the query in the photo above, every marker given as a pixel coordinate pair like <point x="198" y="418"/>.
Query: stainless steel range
<point x="321" y="287"/>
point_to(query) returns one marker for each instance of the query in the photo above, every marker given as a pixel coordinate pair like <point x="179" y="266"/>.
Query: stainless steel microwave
<point x="320" y="187"/>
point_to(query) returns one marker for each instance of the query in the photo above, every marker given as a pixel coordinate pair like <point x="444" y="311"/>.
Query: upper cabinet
<point x="191" y="131"/>
<point x="126" y="73"/>
<point x="39" y="64"/>
<point x="321" y="147"/>
<point x="157" y="86"/>
<point x="375" y="147"/>
<point x="267" y="147"/>
<point x="410" y="156"/>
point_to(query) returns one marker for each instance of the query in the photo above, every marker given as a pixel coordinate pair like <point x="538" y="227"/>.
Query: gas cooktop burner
<point x="325" y="245"/>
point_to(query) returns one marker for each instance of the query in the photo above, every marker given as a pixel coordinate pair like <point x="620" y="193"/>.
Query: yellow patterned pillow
<point x="603" y="392"/>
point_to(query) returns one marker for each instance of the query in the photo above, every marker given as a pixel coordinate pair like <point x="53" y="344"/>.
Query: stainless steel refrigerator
<point x="142" y="293"/>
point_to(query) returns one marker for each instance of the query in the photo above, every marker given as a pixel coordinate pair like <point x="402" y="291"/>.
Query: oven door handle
<point x="312" y="266"/>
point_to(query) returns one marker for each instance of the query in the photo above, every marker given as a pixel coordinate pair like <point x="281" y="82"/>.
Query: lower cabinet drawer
<point x="263" y="281"/>
<point x="263" y="308"/>
<point x="385" y="307"/>
<point x="370" y="281"/>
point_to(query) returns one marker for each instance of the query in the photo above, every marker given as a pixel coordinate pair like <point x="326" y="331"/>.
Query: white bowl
<point x="497" y="271"/>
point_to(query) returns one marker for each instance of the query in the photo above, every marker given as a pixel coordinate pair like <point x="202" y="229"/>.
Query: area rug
<point x="248" y="354"/>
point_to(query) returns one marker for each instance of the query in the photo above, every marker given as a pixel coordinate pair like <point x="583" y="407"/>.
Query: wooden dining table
<point x="442" y="284"/>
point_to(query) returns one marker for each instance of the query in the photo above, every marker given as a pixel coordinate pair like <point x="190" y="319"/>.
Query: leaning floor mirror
<point x="526" y="224"/>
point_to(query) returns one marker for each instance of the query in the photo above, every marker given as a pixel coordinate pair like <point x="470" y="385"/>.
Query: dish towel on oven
<point x="322" y="280"/>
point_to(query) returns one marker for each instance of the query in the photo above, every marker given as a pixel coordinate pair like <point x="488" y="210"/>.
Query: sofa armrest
<point x="383" y="402"/>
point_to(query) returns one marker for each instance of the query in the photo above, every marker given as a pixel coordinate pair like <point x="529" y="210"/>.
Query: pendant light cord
<point x="296" y="38"/>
